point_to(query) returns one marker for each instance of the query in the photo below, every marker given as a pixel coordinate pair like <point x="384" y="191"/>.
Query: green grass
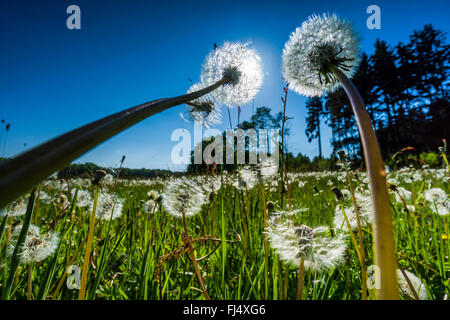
<point x="140" y="256"/>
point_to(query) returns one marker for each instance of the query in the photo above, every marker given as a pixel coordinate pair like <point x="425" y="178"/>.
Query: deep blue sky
<point x="127" y="52"/>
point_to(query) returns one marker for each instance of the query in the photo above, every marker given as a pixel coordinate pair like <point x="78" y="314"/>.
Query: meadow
<point x="140" y="250"/>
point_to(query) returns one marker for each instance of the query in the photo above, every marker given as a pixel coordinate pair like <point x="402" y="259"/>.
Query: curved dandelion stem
<point x="22" y="172"/>
<point x="383" y="229"/>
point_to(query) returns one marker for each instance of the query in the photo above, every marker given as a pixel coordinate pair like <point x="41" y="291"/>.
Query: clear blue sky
<point x="127" y="52"/>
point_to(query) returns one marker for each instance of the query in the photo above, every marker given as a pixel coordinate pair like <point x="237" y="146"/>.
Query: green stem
<point x="383" y="229"/>
<point x="24" y="171"/>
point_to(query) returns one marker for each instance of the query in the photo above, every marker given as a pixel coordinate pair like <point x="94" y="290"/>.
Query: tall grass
<point x="140" y="255"/>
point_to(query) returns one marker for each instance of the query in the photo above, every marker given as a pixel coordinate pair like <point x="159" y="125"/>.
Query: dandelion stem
<point x="383" y="229"/>
<point x="22" y="172"/>
<point x="301" y="276"/>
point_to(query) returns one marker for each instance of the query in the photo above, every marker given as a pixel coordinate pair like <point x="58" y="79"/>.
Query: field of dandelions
<point x="139" y="250"/>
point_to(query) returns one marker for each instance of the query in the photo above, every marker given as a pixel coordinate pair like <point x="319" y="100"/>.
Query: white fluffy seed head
<point x="108" y="207"/>
<point x="84" y="198"/>
<point x="405" y="289"/>
<point x="203" y="110"/>
<point x="315" y="246"/>
<point x="36" y="247"/>
<point x="15" y="209"/>
<point x="183" y="196"/>
<point x="437" y="201"/>
<point x="241" y="65"/>
<point x="365" y="210"/>
<point x="321" y="41"/>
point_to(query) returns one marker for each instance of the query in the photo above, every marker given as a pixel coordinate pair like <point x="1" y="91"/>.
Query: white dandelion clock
<point x="108" y="179"/>
<point x="183" y="197"/>
<point x="435" y="194"/>
<point x="438" y="201"/>
<point x="417" y="284"/>
<point x="405" y="290"/>
<point x="84" y="198"/>
<point x="315" y="246"/>
<point x="16" y="209"/>
<point x="245" y="179"/>
<point x="211" y="184"/>
<point x="202" y="110"/>
<point x="150" y="206"/>
<point x="36" y="247"/>
<point x="241" y="65"/>
<point x="267" y="169"/>
<point x="404" y="194"/>
<point x="321" y="42"/>
<point x="108" y="207"/>
<point x="365" y="210"/>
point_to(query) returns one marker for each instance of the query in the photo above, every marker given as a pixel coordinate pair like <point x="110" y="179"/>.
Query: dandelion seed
<point x="437" y="201"/>
<point x="245" y="179"/>
<point x="16" y="209"/>
<point x="315" y="246"/>
<point x="36" y="247"/>
<point x="405" y="289"/>
<point x="365" y="210"/>
<point x="183" y="196"/>
<point x="402" y="193"/>
<point x="108" y="207"/>
<point x="84" y="198"/>
<point x="203" y="109"/>
<point x="108" y="179"/>
<point x="241" y="65"/>
<point x="313" y="47"/>
<point x="150" y="206"/>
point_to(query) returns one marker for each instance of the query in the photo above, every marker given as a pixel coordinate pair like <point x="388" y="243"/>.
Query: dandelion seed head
<point x="150" y="206"/>
<point x="108" y="207"/>
<point x="245" y="179"/>
<point x="405" y="290"/>
<point x="437" y="201"/>
<point x="36" y="247"/>
<point x="183" y="196"/>
<point x="84" y="198"/>
<point x="203" y="110"/>
<point x="435" y="194"/>
<point x="321" y="41"/>
<point x="238" y="63"/>
<point x="314" y="245"/>
<point x="365" y="210"/>
<point x="16" y="209"/>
